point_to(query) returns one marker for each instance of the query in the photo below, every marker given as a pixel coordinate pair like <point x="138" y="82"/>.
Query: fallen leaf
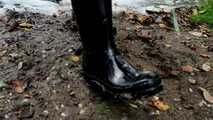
<point x="25" y="25"/>
<point x="206" y="95"/>
<point x="136" y="18"/>
<point x="187" y="69"/>
<point x="133" y="105"/>
<point x="19" y="85"/>
<point x="206" y="67"/>
<point x="168" y="45"/>
<point x="145" y="19"/>
<point x="20" y="65"/>
<point x="204" y="55"/>
<point x="27" y="29"/>
<point x="160" y="105"/>
<point x="163" y="26"/>
<point x="198" y="34"/>
<point x="74" y="58"/>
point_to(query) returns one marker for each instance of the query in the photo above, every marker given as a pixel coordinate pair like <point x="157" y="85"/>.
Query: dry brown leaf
<point x="187" y="69"/>
<point x="144" y="19"/>
<point x="74" y="58"/>
<point x="160" y="105"/>
<point x="19" y="85"/>
<point x="206" y="95"/>
<point x="25" y="25"/>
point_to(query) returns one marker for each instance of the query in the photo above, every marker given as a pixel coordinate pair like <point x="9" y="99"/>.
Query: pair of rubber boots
<point x="102" y="64"/>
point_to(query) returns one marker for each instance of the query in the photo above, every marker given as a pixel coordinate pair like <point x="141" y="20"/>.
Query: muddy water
<point x="50" y="8"/>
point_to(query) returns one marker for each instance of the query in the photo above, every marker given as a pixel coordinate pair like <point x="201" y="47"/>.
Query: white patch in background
<point x="140" y="6"/>
<point x="35" y="6"/>
<point x="50" y="8"/>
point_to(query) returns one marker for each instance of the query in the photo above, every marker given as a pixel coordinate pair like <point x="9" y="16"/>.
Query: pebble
<point x="206" y="67"/>
<point x="179" y="108"/>
<point x="80" y="105"/>
<point x="20" y="65"/>
<point x="192" y="81"/>
<point x="62" y="105"/>
<point x="45" y="112"/>
<point x="190" y="90"/>
<point x="177" y="99"/>
<point x="63" y="114"/>
<point x="6" y="116"/>
<point x="156" y="98"/>
<point x="70" y="50"/>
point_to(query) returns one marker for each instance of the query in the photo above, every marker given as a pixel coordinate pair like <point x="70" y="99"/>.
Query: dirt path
<point x="55" y="89"/>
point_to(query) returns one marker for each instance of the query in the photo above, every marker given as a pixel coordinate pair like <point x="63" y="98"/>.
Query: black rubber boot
<point x="102" y="64"/>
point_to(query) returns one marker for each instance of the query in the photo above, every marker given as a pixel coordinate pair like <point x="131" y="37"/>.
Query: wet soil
<point x="56" y="89"/>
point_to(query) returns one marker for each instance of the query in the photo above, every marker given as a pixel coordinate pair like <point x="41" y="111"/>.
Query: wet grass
<point x="205" y="14"/>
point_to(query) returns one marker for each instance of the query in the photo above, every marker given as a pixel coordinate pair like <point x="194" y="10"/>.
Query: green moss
<point x="205" y="13"/>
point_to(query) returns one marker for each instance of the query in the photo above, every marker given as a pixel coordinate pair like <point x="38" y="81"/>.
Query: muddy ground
<point x="54" y="89"/>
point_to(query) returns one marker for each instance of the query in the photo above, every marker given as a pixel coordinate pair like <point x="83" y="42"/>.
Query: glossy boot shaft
<point x="102" y="63"/>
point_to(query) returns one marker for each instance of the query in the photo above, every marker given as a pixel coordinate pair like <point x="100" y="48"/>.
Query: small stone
<point x="206" y="67"/>
<point x="20" y="65"/>
<point x="157" y="112"/>
<point x="70" y="50"/>
<point x="72" y="93"/>
<point x="63" y="114"/>
<point x="3" y="53"/>
<point x="66" y="64"/>
<point x="133" y="105"/>
<point x="179" y="108"/>
<point x="45" y="113"/>
<point x="13" y="55"/>
<point x="62" y="105"/>
<point x="80" y="105"/>
<point x="192" y="81"/>
<point x="56" y="107"/>
<point x="190" y="90"/>
<point x="54" y="91"/>
<point x="156" y="98"/>
<point x="68" y="86"/>
<point x="6" y="116"/>
<point x="177" y="99"/>
<point x="43" y="51"/>
<point x="198" y="34"/>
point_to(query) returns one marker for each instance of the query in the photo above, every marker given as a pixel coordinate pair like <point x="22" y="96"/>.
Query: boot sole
<point x="98" y="87"/>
